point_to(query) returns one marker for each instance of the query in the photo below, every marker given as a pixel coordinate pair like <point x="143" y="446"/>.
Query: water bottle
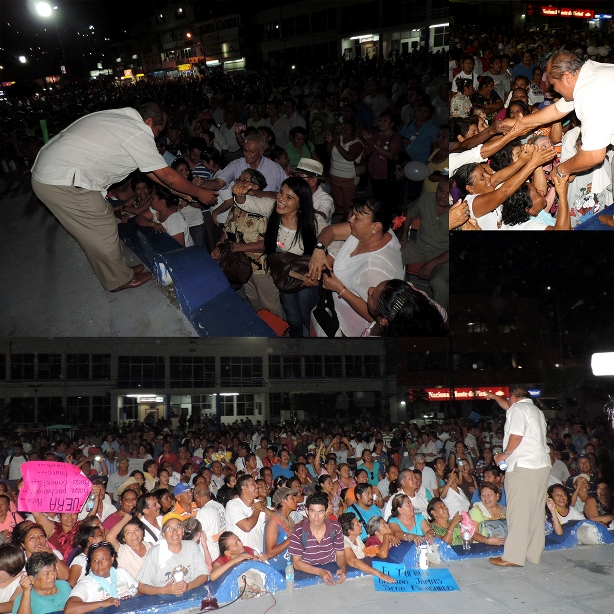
<point x="89" y="504"/>
<point x="423" y="561"/>
<point x="503" y="465"/>
<point x="289" y="578"/>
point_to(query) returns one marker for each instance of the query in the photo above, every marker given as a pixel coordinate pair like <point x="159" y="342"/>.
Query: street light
<point x="22" y="59"/>
<point x="43" y="9"/>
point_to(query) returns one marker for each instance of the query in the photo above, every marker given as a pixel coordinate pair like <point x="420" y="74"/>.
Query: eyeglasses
<point x="174" y="528"/>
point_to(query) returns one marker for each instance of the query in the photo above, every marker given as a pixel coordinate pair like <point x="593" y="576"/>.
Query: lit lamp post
<point x="44" y="10"/>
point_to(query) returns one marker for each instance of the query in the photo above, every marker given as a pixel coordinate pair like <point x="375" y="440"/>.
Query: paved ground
<point x="566" y="582"/>
<point x="48" y="288"/>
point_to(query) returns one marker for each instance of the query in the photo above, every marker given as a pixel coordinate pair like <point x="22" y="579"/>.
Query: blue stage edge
<point x="228" y="587"/>
<point x="203" y="292"/>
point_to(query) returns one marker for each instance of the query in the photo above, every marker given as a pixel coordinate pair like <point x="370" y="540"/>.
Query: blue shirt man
<point x="421" y="133"/>
<point x="364" y="509"/>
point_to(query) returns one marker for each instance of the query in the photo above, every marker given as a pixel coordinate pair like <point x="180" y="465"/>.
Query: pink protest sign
<point x="53" y="487"/>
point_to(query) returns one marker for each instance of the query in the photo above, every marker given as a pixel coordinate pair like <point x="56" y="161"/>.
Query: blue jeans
<point x="198" y="235"/>
<point x="298" y="307"/>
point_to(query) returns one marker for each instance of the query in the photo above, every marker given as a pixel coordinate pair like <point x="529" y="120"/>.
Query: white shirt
<point x="281" y="129"/>
<point x="560" y="471"/>
<point x="532" y="224"/>
<point x="419" y="502"/>
<point x="361" y="272"/>
<point x="89" y="591"/>
<point x="230" y="136"/>
<point x="236" y="511"/>
<point x="458" y="159"/>
<point x="490" y="221"/>
<point x="175" y="224"/>
<point x="14" y="465"/>
<point x="147" y="536"/>
<point x="212" y="517"/>
<point x="324" y="203"/>
<point x="592" y="102"/>
<point x="524" y="418"/>
<point x="98" y="150"/>
<point x="429" y="479"/>
<point x="456" y="502"/>
<point x="240" y="463"/>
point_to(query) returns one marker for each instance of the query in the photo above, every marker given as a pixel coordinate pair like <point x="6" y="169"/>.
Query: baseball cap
<point x="170" y="516"/>
<point x="181" y="488"/>
<point x="281" y="493"/>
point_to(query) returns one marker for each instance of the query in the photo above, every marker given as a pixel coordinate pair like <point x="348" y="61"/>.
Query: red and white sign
<point x="466" y="394"/>
<point x="551" y="11"/>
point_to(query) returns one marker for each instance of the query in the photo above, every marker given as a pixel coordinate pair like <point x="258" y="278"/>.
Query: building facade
<point x="101" y="381"/>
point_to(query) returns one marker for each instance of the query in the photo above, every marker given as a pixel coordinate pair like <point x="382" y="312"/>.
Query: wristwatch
<point x="559" y="174"/>
<point x="321" y="246"/>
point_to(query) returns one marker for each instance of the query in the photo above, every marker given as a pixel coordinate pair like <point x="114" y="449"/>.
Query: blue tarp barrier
<point x="227" y="588"/>
<point x="203" y="292"/>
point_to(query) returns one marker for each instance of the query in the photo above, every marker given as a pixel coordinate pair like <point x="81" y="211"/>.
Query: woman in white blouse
<point x="371" y="253"/>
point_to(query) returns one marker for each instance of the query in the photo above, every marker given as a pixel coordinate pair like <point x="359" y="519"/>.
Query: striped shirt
<point x="317" y="553"/>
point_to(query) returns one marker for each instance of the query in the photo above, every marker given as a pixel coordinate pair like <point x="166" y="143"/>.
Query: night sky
<point x="575" y="266"/>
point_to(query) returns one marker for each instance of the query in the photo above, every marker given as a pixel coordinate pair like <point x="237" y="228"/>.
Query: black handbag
<point x="324" y="320"/>
<point x="235" y="265"/>
<point x="288" y="270"/>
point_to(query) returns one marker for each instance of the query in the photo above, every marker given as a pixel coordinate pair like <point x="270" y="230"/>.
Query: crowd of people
<point x="274" y="164"/>
<point x="532" y="133"/>
<point x="205" y="498"/>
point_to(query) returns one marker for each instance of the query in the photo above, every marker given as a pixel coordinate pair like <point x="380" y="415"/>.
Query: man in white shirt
<point x="526" y="478"/>
<point x="312" y="172"/>
<point x="410" y="485"/>
<point x="229" y="131"/>
<point x="73" y="170"/>
<point x="292" y="115"/>
<point x="429" y="479"/>
<point x="245" y="516"/>
<point x="559" y="469"/>
<point x="587" y="89"/>
<point x="212" y="517"/>
<point x="13" y="463"/>
<point x="279" y="124"/>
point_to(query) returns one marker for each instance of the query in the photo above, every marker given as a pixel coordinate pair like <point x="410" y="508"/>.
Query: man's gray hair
<point x="256" y="138"/>
<point x="374" y="524"/>
<point x="419" y="456"/>
<point x="563" y="61"/>
<point x="403" y="475"/>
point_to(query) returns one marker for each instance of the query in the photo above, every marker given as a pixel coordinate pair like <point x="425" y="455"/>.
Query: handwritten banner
<point x="53" y="487"/>
<point x="414" y="580"/>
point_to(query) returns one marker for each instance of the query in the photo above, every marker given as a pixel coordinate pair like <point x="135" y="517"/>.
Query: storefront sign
<point x="184" y="67"/>
<point x="466" y="394"/>
<point x="551" y="11"/>
<point x="128" y="72"/>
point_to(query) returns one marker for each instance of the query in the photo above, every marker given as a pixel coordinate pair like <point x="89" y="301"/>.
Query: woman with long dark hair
<point x="292" y="228"/>
<point x="401" y="310"/>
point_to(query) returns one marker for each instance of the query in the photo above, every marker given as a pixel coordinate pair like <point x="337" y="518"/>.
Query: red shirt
<point x="222" y="560"/>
